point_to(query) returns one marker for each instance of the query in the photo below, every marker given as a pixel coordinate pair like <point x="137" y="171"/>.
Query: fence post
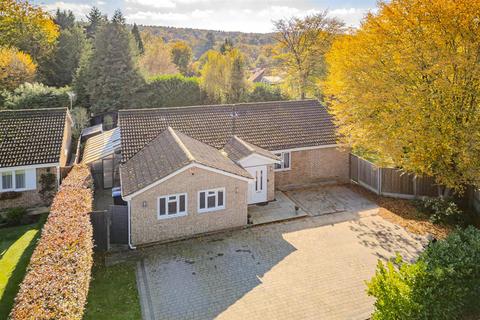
<point x="415" y="186"/>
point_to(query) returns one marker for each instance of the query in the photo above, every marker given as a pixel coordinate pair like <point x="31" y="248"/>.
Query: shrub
<point x="265" y="92"/>
<point x="56" y="284"/>
<point x="442" y="210"/>
<point x="443" y="284"/>
<point x="48" y="186"/>
<point x="172" y="91"/>
<point x="36" y="95"/>
<point x="14" y="216"/>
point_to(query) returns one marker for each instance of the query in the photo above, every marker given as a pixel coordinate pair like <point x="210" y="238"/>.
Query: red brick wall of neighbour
<point x="29" y="198"/>
<point x="312" y="166"/>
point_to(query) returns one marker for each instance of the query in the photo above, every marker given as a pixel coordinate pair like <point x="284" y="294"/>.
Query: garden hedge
<point x="58" y="276"/>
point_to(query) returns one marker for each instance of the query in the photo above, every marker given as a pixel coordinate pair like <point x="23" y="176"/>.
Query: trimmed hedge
<point x="58" y="276"/>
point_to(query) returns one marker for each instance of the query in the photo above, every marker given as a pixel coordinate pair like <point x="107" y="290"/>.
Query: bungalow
<point x="191" y="170"/>
<point x="33" y="143"/>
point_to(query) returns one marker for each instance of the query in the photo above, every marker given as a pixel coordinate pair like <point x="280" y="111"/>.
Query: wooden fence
<point x="390" y="181"/>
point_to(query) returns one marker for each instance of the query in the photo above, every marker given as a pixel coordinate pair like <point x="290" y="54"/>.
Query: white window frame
<point x="177" y="200"/>
<point x="12" y="174"/>
<point x="282" y="163"/>
<point x="24" y="179"/>
<point x="217" y="207"/>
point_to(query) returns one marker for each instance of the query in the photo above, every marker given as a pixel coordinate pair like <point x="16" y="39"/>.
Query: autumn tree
<point x="302" y="44"/>
<point x="138" y="39"/>
<point x="182" y="56"/>
<point x="157" y="58"/>
<point x="26" y="27"/>
<point x="406" y="87"/>
<point x="16" y="68"/>
<point x="223" y="76"/>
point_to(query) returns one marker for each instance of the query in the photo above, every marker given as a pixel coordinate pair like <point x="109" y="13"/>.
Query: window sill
<point x="166" y="217"/>
<point x="211" y="209"/>
<point x="280" y="170"/>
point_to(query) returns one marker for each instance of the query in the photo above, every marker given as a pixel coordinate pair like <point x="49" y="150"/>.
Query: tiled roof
<point x="237" y="149"/>
<point x="29" y="137"/>
<point x="168" y="152"/>
<point x="269" y="125"/>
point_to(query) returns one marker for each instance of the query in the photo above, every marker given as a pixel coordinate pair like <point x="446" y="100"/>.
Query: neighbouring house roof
<point x="101" y="145"/>
<point x="29" y="137"/>
<point x="272" y="79"/>
<point x="168" y="152"/>
<point x="237" y="149"/>
<point x="257" y="75"/>
<point x="269" y="125"/>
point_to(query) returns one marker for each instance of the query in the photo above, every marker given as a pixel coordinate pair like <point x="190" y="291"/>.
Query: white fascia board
<point x="308" y="148"/>
<point x="249" y="161"/>
<point x="191" y="165"/>
<point x="33" y="166"/>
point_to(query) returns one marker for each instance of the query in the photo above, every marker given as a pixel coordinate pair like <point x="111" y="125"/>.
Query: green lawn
<point x="16" y="248"/>
<point x="113" y="293"/>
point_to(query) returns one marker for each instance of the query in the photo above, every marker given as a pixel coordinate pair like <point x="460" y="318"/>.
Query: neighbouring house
<point x="259" y="75"/>
<point x="191" y="170"/>
<point x="34" y="145"/>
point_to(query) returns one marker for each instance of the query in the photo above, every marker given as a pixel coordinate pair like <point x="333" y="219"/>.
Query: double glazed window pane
<point x="20" y="179"/>
<point x="7" y="180"/>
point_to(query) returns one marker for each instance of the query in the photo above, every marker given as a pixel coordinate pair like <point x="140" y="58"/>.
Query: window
<point x="20" y="179"/>
<point x="211" y="200"/>
<point x="7" y="180"/>
<point x="172" y="206"/>
<point x="285" y="161"/>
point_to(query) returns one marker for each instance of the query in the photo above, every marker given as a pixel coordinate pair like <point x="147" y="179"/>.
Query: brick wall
<point x="29" y="198"/>
<point x="147" y="228"/>
<point x="66" y="143"/>
<point x="312" y="166"/>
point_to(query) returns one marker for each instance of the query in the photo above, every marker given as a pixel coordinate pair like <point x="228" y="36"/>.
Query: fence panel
<point x="100" y="223"/>
<point x="368" y="175"/>
<point x="118" y="224"/>
<point x="354" y="167"/>
<point x="395" y="181"/>
<point x="426" y="186"/>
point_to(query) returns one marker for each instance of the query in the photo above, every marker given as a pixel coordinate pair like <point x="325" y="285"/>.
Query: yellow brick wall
<point x="315" y="165"/>
<point x="147" y="228"/>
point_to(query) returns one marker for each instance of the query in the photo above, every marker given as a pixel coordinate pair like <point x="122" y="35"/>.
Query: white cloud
<point x="101" y="3"/>
<point x="80" y="10"/>
<point x="351" y="16"/>
<point x="153" y="3"/>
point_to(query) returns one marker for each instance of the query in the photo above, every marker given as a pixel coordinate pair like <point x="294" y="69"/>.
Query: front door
<point x="257" y="188"/>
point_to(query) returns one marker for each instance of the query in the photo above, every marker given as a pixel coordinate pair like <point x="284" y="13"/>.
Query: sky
<point x="233" y="15"/>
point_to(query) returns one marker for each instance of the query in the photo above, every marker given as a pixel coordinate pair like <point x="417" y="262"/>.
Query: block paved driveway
<point x="311" y="268"/>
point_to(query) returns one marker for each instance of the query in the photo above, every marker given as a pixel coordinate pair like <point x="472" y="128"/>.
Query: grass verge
<point x="113" y="293"/>
<point x="16" y="248"/>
